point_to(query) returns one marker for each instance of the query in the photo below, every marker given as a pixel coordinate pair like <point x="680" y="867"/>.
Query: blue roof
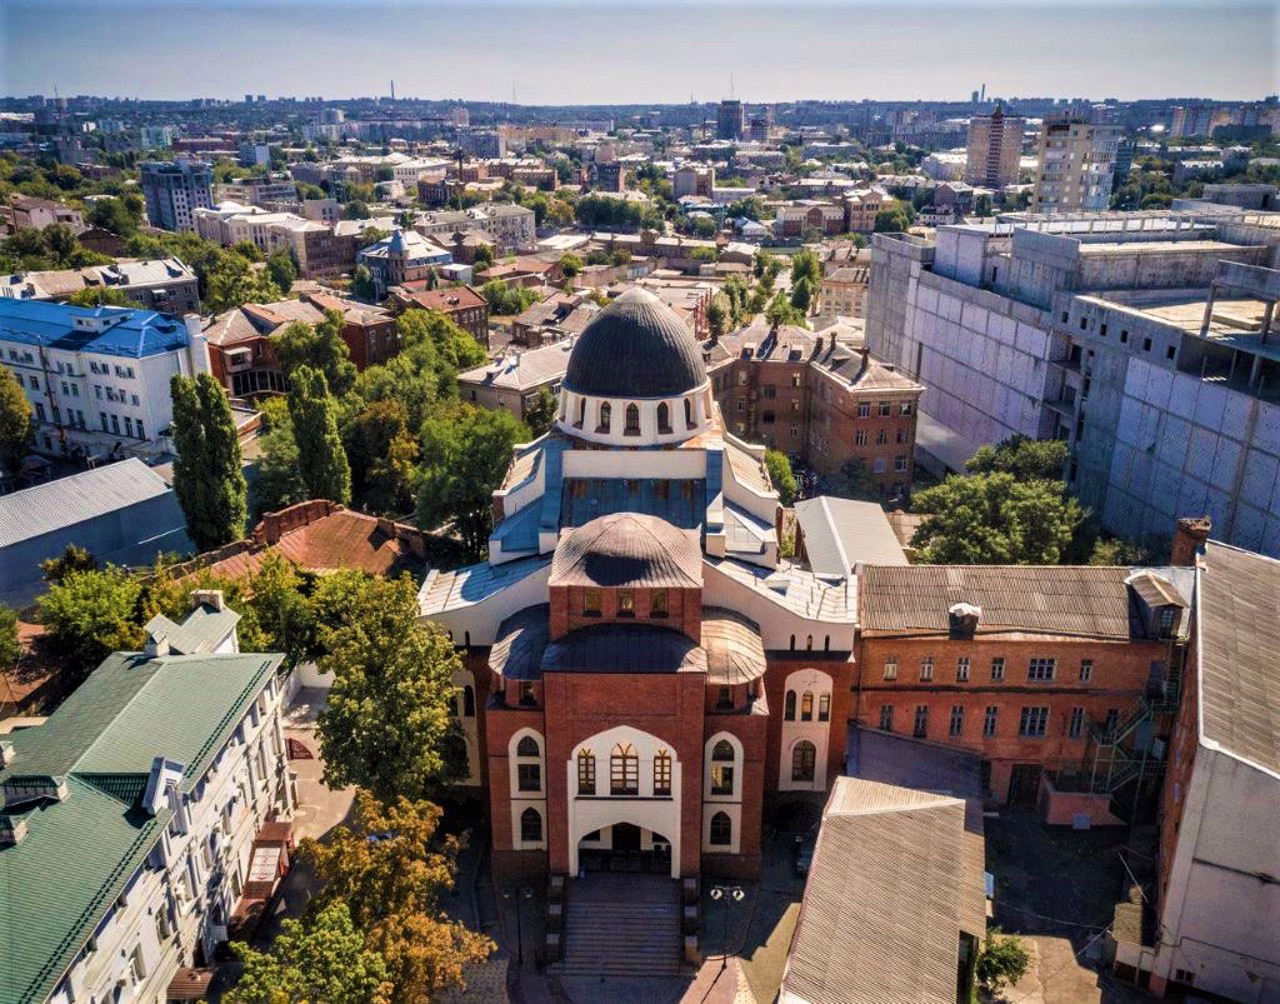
<point x="113" y="331"/>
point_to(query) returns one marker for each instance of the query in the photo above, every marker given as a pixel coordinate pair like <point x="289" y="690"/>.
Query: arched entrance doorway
<point x="624" y="847"/>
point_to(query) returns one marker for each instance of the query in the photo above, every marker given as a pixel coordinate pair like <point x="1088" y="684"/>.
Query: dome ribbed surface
<point x="636" y="347"/>
<point x="628" y="550"/>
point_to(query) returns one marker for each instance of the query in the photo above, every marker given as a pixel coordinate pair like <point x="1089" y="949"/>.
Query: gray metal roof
<point x="624" y="648"/>
<point x="56" y="505"/>
<point x="735" y="653"/>
<point x="840" y="532"/>
<point x="1239" y="626"/>
<point x="628" y="550"/>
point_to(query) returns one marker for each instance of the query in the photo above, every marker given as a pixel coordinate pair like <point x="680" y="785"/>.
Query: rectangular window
<point x="586" y="775"/>
<point x="141" y="434"/>
<point x="860" y="437"/>
<point x="989" y="721"/>
<point x="1113" y="719"/>
<point x="926" y="668"/>
<point x="527" y="697"/>
<point x="721" y="779"/>
<point x="886" y="409"/>
<point x="886" y="717"/>
<point x="1034" y="723"/>
<point x="956" y="728"/>
<point x="891" y="669"/>
<point x="658" y="603"/>
<point x="1086" y="670"/>
<point x="591" y="603"/>
<point x="962" y="669"/>
<point x="530" y="776"/>
<point x="1077" y="723"/>
<point x="864" y="410"/>
<point x="662" y="775"/>
<point x="921" y="728"/>
<point x="724" y="699"/>
<point x="997" y="669"/>
<point x="906" y="408"/>
<point x="900" y="464"/>
<point x="626" y="603"/>
<point x="904" y="435"/>
<point x="824" y="708"/>
<point x="1040" y="669"/>
<point x="115" y="424"/>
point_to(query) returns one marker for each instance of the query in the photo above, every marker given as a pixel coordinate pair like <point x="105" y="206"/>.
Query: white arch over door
<point x="588" y="813"/>
<point x="806" y="725"/>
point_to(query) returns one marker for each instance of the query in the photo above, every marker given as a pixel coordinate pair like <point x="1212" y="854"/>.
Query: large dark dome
<point x="636" y="347"/>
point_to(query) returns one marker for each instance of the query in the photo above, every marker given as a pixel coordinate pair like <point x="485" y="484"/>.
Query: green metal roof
<point x="78" y="855"/>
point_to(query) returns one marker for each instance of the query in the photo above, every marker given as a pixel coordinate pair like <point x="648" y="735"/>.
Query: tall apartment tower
<point x="994" y="149"/>
<point x="731" y="121"/>
<point x="175" y="190"/>
<point x="1076" y="160"/>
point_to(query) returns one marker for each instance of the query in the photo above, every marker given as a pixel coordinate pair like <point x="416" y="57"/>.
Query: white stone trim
<point x="738" y="761"/>
<point x="818" y="683"/>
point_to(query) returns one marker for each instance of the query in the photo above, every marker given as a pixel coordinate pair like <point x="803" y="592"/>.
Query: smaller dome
<point x="628" y="550"/>
<point x="636" y="347"/>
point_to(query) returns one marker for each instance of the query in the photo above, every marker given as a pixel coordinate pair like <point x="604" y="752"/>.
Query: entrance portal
<point x="625" y="847"/>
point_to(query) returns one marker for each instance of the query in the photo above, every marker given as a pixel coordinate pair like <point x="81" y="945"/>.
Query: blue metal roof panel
<point x="116" y="331"/>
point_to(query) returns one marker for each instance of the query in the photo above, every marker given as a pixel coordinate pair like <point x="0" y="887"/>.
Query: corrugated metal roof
<point x="887" y="930"/>
<point x="841" y="532"/>
<point x="1087" y="601"/>
<point x="624" y="648"/>
<point x="114" y="331"/>
<point x="628" y="550"/>
<point x="1239" y="635"/>
<point x="56" y="505"/>
<point x="735" y="653"/>
<point x="522" y="638"/>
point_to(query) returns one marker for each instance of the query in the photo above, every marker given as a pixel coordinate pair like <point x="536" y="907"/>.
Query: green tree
<point x="10" y="645"/>
<point x="321" y="347"/>
<point x="101" y="296"/>
<point x="857" y="482"/>
<point x="283" y="271"/>
<point x="465" y="454"/>
<point x="484" y="257"/>
<point x="719" y="311"/>
<point x="802" y="296"/>
<point x="892" y="219"/>
<point x="234" y="281"/>
<point x="392" y="866"/>
<point x="383" y="455"/>
<point x="282" y="615"/>
<point x="279" y="482"/>
<point x="995" y="519"/>
<point x="1026" y="458"/>
<point x="806" y="265"/>
<point x="541" y="415"/>
<point x="453" y="350"/>
<point x="90" y="614"/>
<point x="117" y="216"/>
<point x="735" y="291"/>
<point x="1002" y="961"/>
<point x="16" y="427"/>
<point x="362" y="284"/>
<point x="207" y="475"/>
<point x="505" y="300"/>
<point x="570" y="264"/>
<point x="388" y="723"/>
<point x="780" y="312"/>
<point x="320" y="958"/>
<point x="73" y="559"/>
<point x="779" y="467"/>
<point x="322" y="462"/>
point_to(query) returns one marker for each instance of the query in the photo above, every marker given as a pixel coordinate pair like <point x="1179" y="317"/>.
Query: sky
<point x="646" y="51"/>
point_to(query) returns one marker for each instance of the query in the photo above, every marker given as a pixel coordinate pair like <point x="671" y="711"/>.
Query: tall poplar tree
<point x="322" y="462"/>
<point x="207" y="475"/>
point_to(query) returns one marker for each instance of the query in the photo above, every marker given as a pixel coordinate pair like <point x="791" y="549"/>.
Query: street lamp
<point x="729" y="893"/>
<point x="520" y="895"/>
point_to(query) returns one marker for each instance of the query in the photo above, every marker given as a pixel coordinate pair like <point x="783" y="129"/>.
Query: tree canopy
<point x="207" y="475"/>
<point x="16" y="427"/>
<point x="322" y="461"/>
<point x="1022" y="456"/>
<point x="92" y="613"/>
<point x="320" y="346"/>
<point x="780" y="474"/>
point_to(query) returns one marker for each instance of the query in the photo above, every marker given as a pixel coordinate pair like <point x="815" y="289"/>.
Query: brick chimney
<point x="1188" y="540"/>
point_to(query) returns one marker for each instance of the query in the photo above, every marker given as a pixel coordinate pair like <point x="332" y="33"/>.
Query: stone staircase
<point x="621" y="925"/>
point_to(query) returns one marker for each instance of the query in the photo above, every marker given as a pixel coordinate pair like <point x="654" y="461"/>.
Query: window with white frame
<point x="1041" y="669"/>
<point x="962" y="669"/>
<point x="926" y="669"/>
<point x="891" y="668"/>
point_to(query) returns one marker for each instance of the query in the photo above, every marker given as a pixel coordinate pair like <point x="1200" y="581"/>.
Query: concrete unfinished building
<point x="1147" y="341"/>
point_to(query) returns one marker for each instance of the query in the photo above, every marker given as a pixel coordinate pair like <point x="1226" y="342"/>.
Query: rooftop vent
<point x="7" y="755"/>
<point x="963" y="619"/>
<point x="11" y="830"/>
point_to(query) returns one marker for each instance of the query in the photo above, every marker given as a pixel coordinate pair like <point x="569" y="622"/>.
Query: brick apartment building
<point x="1035" y="669"/>
<point x="461" y="304"/>
<point x="818" y="400"/>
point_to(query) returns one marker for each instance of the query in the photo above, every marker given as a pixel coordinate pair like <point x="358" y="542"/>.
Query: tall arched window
<point x="722" y="768"/>
<point x="606" y="417"/>
<point x="688" y="413"/>
<point x="662" y="773"/>
<point x="624" y="770"/>
<point x="664" y="417"/>
<point x="806" y="706"/>
<point x="824" y="708"/>
<point x="531" y="826"/>
<point x="632" y="427"/>
<point x="586" y="773"/>
<point x="468" y="701"/>
<point x="789" y="707"/>
<point x="721" y="830"/>
<point x="808" y="643"/>
<point x="582" y="412"/>
<point x="528" y="765"/>
<point x="804" y="758"/>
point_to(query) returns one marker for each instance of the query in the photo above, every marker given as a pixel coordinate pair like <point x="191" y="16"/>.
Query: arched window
<point x="721" y="830"/>
<point x="531" y="826"/>
<point x="789" y="707"/>
<point x="582" y="412"/>
<point x="632" y="428"/>
<point x="586" y="773"/>
<point x="804" y="757"/>
<point x="468" y="701"/>
<point x="824" y="708"/>
<point x="624" y="770"/>
<point x="528" y="765"/>
<point x="688" y="413"/>
<point x="662" y="773"/>
<point x="606" y="416"/>
<point x="528" y="746"/>
<point x="664" y="417"/>
<point x="466" y="639"/>
<point x="808" y="643"/>
<point x="826" y="643"/>
<point x="806" y="706"/>
<point x="722" y="768"/>
<point x="793" y="643"/>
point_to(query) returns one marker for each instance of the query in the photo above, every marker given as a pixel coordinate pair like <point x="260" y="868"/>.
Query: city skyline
<point x="555" y="53"/>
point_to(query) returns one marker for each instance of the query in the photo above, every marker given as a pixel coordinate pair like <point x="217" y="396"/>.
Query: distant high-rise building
<point x="1076" y="160"/>
<point x="332" y="116"/>
<point x="731" y="121"/>
<point x="994" y="148"/>
<point x="175" y="190"/>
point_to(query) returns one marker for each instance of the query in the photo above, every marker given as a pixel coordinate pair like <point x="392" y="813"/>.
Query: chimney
<point x="866" y="358"/>
<point x="1189" y="540"/>
<point x="208" y="598"/>
<point x="157" y="646"/>
<point x="963" y="620"/>
<point x="6" y="755"/>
